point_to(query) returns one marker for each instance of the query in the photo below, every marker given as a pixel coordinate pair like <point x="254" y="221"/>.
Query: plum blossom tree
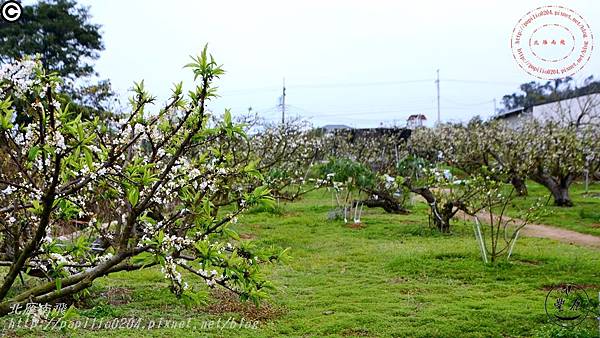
<point x="283" y="154"/>
<point x="552" y="152"/>
<point x="377" y="152"/>
<point x="471" y="146"/>
<point x="444" y="193"/>
<point x="287" y="154"/>
<point x="143" y="190"/>
<point x="558" y="146"/>
<point x="556" y="154"/>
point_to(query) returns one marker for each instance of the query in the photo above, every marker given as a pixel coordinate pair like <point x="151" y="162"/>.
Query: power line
<point x="468" y="104"/>
<point x="298" y="108"/>
<point x="482" y="82"/>
<point x="454" y="104"/>
<point x="421" y="100"/>
<point x="322" y="86"/>
<point x="363" y="84"/>
<point x="342" y="114"/>
<point x="249" y="90"/>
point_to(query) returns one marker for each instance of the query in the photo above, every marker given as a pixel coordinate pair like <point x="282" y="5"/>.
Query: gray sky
<point x="350" y="62"/>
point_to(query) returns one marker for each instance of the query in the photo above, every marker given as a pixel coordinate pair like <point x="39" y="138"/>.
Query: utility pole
<point x="283" y="104"/>
<point x="438" y="96"/>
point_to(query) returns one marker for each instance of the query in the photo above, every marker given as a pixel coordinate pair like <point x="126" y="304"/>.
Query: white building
<point x="416" y="121"/>
<point x="581" y="110"/>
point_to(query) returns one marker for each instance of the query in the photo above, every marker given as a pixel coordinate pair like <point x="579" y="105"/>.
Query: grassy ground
<point x="390" y="278"/>
<point x="583" y="217"/>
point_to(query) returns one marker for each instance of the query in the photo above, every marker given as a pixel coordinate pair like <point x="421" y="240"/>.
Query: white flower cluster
<point x="171" y="273"/>
<point x="389" y="181"/>
<point x="60" y="259"/>
<point x="19" y="73"/>
<point x="59" y="141"/>
<point x="104" y="258"/>
<point x="175" y="242"/>
<point x="211" y="277"/>
<point x="56" y="259"/>
<point x="8" y="191"/>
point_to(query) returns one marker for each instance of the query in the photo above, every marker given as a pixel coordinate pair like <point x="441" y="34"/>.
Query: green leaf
<point x="58" y="284"/>
<point x="231" y="234"/>
<point x="160" y="237"/>
<point x="88" y="158"/>
<point x="5" y="122"/>
<point x="33" y="152"/>
<point x="144" y="259"/>
<point x="133" y="195"/>
<point x="7" y="116"/>
<point x="227" y="118"/>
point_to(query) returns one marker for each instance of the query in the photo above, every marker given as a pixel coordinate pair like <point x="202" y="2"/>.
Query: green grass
<point x="583" y="217"/>
<point x="392" y="278"/>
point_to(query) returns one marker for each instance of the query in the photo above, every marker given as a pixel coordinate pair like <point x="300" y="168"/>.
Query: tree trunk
<point x="520" y="186"/>
<point x="391" y="207"/>
<point x="559" y="190"/>
<point x="441" y="217"/>
<point x="561" y="196"/>
<point x="46" y="293"/>
<point x="445" y="217"/>
<point x="442" y="224"/>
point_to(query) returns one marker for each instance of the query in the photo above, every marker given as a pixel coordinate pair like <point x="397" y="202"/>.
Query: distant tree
<point x="60" y="34"/>
<point x="94" y="99"/>
<point x="59" y="31"/>
<point x="533" y="93"/>
<point x="537" y="93"/>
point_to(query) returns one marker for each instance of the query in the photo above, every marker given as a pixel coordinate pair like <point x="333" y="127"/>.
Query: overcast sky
<point x="345" y="62"/>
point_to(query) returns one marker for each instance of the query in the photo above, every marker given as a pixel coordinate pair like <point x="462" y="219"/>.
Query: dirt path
<point x="551" y="232"/>
<point x="562" y="235"/>
<point x="546" y="231"/>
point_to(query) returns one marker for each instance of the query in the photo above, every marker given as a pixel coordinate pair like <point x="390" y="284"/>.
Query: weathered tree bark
<point x="391" y="207"/>
<point x="559" y="188"/>
<point x="446" y="214"/>
<point x="561" y="196"/>
<point x="520" y="186"/>
<point x="48" y="292"/>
